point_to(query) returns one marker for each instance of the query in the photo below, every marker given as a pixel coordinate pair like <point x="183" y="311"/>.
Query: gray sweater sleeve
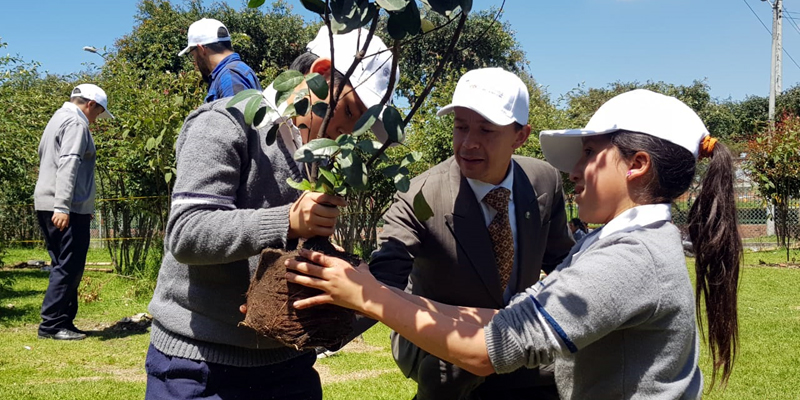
<point x="71" y="147"/>
<point x="610" y="286"/>
<point x="205" y="225"/>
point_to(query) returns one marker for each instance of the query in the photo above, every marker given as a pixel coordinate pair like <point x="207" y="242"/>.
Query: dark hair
<point x="579" y="224"/>
<point x="712" y="229"/>
<point x="79" y="100"/>
<point x="303" y="64"/>
<point x="219" y="47"/>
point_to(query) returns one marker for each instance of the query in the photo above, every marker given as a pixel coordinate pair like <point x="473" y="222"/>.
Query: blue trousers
<point x="67" y="250"/>
<point x="182" y="379"/>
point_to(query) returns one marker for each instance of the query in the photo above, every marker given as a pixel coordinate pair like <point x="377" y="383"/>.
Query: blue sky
<point x="568" y="42"/>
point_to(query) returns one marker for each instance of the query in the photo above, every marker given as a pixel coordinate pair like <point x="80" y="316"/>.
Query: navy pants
<point x="182" y="379"/>
<point x="67" y="250"/>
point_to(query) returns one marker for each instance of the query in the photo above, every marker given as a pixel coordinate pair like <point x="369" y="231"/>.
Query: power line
<point x="791" y="19"/>
<point x="759" y="18"/>
<point x="770" y="32"/>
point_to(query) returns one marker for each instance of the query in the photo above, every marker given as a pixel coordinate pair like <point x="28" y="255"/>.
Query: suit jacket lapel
<point x="468" y="226"/>
<point x="528" y="225"/>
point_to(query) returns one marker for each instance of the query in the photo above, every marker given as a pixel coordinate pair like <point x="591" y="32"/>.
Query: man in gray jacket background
<point x="64" y="203"/>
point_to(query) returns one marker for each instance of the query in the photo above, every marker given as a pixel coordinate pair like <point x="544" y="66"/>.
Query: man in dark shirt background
<point x="213" y="55"/>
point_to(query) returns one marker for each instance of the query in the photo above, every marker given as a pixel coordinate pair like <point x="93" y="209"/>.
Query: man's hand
<point x="314" y="214"/>
<point x="341" y="283"/>
<point x="60" y="220"/>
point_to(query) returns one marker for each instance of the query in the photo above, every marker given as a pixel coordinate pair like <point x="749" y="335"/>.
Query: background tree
<point x="268" y="39"/>
<point x="774" y="163"/>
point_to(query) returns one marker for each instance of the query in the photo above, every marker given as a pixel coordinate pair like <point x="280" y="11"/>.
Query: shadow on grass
<point x="120" y="329"/>
<point x="18" y="316"/>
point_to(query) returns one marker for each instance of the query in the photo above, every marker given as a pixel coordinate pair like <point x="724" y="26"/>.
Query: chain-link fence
<point x="131" y="228"/>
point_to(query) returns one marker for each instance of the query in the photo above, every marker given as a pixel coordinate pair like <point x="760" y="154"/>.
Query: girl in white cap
<point x="618" y="315"/>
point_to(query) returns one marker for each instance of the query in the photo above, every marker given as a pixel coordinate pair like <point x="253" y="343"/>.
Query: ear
<point x="640" y="165"/>
<point x="322" y="66"/>
<point x="522" y="136"/>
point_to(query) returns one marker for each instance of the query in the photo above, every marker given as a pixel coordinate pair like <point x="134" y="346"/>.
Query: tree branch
<point x="453" y="41"/>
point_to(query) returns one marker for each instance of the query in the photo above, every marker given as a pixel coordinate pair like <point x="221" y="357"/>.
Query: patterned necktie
<point x="500" y="232"/>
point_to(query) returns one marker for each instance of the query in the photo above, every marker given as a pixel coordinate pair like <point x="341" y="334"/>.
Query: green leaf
<point x="259" y="117"/>
<point x="281" y="97"/>
<point x="443" y="7"/>
<point x="315" y="150"/>
<point x="369" y="146"/>
<point x="288" y="80"/>
<point x="167" y="177"/>
<point x="349" y="15"/>
<point x="426" y="26"/>
<point x="304" y="185"/>
<point x="402" y="183"/>
<point x="392" y="5"/>
<point x="315" y="6"/>
<point x="356" y="174"/>
<point x="404" y="22"/>
<point x="290" y="111"/>
<point x="272" y="134"/>
<point x="301" y="107"/>
<point x="255" y="3"/>
<point x="367" y="120"/>
<point x="422" y="210"/>
<point x="320" y="108"/>
<point x="329" y="176"/>
<point x="466" y="6"/>
<point x="251" y="108"/>
<point x="411" y="158"/>
<point x="241" y="96"/>
<point x="151" y="142"/>
<point x="396" y="26"/>
<point x="300" y="94"/>
<point x="393" y="123"/>
<point x="318" y="85"/>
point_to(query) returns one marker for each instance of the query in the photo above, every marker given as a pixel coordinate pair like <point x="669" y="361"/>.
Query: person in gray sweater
<point x="64" y="203"/>
<point x="230" y="201"/>
<point x="617" y="316"/>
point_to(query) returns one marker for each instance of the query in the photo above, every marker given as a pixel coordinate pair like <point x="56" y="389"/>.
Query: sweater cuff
<point x="503" y="347"/>
<point x="60" y="205"/>
<point x="274" y="226"/>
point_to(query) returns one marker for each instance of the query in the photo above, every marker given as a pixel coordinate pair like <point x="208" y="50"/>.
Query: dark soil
<point x="270" y="297"/>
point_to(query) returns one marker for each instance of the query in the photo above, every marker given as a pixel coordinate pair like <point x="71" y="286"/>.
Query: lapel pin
<point x="527" y="215"/>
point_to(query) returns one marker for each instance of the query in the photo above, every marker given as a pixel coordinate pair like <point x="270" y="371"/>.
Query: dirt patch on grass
<point x="358" y="345"/>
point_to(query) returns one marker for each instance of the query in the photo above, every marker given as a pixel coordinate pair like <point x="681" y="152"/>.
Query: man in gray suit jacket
<point x="465" y="254"/>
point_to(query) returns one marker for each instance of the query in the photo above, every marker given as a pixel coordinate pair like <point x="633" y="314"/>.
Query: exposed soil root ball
<point x="270" y="298"/>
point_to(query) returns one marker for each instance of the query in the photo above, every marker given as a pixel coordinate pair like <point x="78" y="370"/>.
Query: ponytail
<point x="718" y="251"/>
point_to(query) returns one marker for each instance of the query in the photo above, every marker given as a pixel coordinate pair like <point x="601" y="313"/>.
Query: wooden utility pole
<point x="776" y="76"/>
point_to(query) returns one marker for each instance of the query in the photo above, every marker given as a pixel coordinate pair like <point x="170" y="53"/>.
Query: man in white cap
<point x="230" y="201"/>
<point x="498" y="219"/>
<point x="213" y="55"/>
<point x="64" y="203"/>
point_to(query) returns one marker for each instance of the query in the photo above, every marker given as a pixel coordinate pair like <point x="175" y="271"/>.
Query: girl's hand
<point x="343" y="285"/>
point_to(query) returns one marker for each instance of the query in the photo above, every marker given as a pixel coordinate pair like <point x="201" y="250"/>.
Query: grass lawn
<point x="110" y="363"/>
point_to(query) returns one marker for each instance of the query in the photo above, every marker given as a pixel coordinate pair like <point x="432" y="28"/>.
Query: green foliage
<point x="774" y="163"/>
<point x="267" y="39"/>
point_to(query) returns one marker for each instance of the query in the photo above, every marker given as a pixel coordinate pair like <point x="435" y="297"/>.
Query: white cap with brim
<point x="371" y="76"/>
<point x="497" y="95"/>
<point x="93" y="92"/>
<point x="640" y="111"/>
<point x="205" y="31"/>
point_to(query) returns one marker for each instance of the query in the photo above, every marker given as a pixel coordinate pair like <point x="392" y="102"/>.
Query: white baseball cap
<point x="496" y="94"/>
<point x="640" y="111"/>
<point x="371" y="76"/>
<point x="205" y="31"/>
<point x="93" y="92"/>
